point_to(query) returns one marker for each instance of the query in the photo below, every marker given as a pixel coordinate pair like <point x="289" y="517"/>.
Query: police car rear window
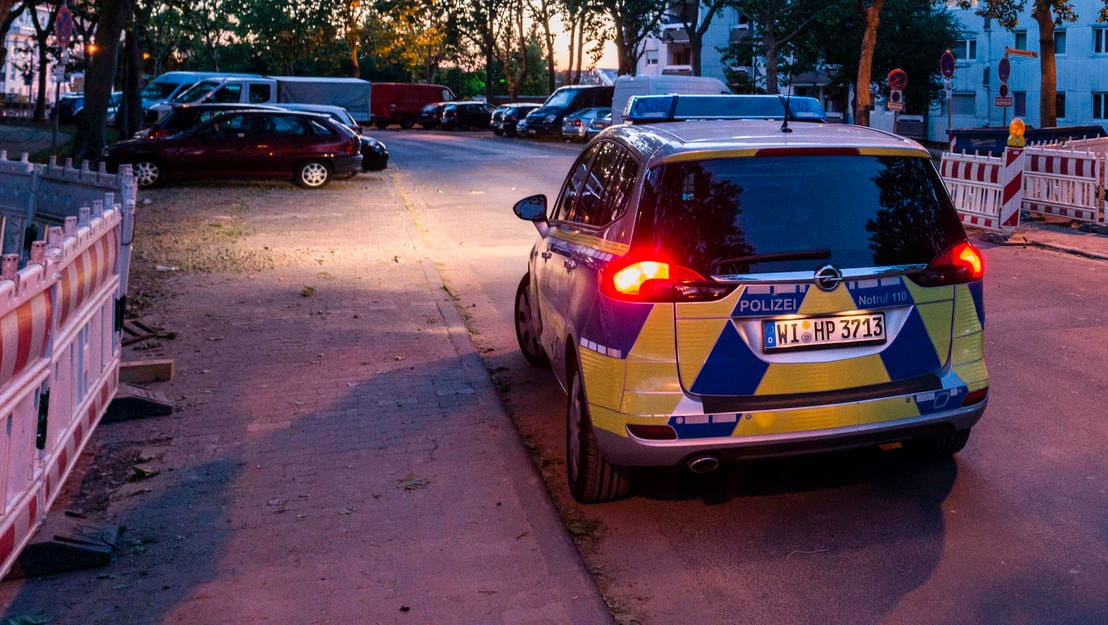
<point x="866" y="210"/>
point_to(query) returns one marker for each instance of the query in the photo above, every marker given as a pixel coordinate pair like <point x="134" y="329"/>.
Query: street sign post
<point x="1004" y="96"/>
<point x="897" y="81"/>
<point x="63" y="33"/>
<point x="946" y="65"/>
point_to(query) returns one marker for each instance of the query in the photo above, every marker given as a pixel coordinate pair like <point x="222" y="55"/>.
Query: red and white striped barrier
<point x="974" y="185"/>
<point x="59" y="356"/>
<point x="1012" y="195"/>
<point x="1065" y="183"/>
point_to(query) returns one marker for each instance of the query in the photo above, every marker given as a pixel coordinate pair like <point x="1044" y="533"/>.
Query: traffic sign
<point x="897" y="79"/>
<point x="1002" y="102"/>
<point x="946" y="64"/>
<point x="1003" y="69"/>
<point x="63" y="26"/>
<point x="896" y="101"/>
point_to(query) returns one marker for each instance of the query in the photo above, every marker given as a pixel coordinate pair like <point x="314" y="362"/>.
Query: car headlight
<point x="550" y="119"/>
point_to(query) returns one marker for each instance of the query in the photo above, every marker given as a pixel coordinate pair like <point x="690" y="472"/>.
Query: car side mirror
<point x="531" y="208"/>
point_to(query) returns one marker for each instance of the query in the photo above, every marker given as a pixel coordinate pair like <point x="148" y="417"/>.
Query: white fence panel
<point x="974" y="185"/>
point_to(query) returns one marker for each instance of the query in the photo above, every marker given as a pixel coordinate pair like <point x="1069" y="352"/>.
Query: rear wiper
<point x="814" y="254"/>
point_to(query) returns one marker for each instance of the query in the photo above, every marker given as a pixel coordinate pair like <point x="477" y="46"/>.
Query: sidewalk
<point x="338" y="453"/>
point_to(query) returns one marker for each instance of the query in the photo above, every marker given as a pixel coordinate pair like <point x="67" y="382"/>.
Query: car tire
<point x="528" y="341"/>
<point x="313" y="174"/>
<point x="942" y="445"/>
<point x="381" y="125"/>
<point x="149" y="172"/>
<point x="592" y="479"/>
<point x="406" y="123"/>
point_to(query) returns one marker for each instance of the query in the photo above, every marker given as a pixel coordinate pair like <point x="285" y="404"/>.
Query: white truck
<point x="628" y="86"/>
<point x="351" y="94"/>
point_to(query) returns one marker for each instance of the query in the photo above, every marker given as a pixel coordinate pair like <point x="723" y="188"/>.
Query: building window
<point x="1019" y="103"/>
<point x="963" y="104"/>
<point x="1100" y="41"/>
<point x="1021" y="40"/>
<point x="1100" y="105"/>
<point x="965" y="50"/>
<point x="1059" y="42"/>
<point x="1060" y="105"/>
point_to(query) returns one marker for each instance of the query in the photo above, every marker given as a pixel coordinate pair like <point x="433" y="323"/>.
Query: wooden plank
<point x="142" y="371"/>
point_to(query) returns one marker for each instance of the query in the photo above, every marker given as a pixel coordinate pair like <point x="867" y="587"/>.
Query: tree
<point x="510" y="44"/>
<point x="543" y="11"/>
<point x="863" y="99"/>
<point x="696" y="16"/>
<point x="9" y="11"/>
<point x="90" y="139"/>
<point x="779" y="35"/>
<point x="634" y="21"/>
<point x="1047" y="14"/>
<point x="584" y="23"/>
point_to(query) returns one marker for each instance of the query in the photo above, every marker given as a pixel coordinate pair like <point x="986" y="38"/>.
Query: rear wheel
<point x="313" y="174"/>
<point x="525" y="326"/>
<point x="591" y="478"/>
<point x="381" y="125"/>
<point x="406" y="123"/>
<point x="148" y="172"/>
<point x="939" y="445"/>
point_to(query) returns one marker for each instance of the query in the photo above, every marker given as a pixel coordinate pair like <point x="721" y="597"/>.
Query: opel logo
<point x="828" y="277"/>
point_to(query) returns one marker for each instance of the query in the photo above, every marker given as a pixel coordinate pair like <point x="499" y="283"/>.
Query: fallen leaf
<point x="411" y="482"/>
<point x="140" y="473"/>
<point x="307" y="291"/>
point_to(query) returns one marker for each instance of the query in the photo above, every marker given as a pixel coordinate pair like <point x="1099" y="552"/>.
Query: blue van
<point x="166" y="86"/>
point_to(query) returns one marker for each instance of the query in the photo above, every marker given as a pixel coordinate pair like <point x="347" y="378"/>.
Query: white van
<point x="628" y="86"/>
<point x="166" y="86"/>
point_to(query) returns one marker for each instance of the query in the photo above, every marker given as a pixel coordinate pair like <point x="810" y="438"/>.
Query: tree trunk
<point x="1048" y="97"/>
<point x="769" y="42"/>
<point x="862" y="98"/>
<point x="99" y="78"/>
<point x="129" y="116"/>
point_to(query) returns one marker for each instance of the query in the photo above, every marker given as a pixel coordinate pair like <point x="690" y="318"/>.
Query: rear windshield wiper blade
<point x="813" y="254"/>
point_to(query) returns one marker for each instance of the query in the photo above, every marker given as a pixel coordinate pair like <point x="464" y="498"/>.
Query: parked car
<point x="305" y="147"/>
<point x="67" y="106"/>
<point x="546" y="121"/>
<point x="456" y="115"/>
<point x="728" y="289"/>
<point x="575" y="126"/>
<point x="431" y="115"/>
<point x="185" y="116"/>
<point x="600" y="122"/>
<point x="497" y="118"/>
<point x="375" y="156"/>
<point x="509" y="122"/>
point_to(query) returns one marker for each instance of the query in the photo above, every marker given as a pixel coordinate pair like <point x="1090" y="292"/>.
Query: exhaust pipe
<point x="702" y="464"/>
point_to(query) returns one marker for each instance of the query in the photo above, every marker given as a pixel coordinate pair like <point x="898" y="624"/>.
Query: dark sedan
<point x="185" y="116"/>
<point x="465" y="114"/>
<point x="305" y="147"/>
<point x="431" y="115"/>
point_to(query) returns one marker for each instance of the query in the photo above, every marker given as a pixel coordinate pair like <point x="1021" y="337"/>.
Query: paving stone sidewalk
<point x="338" y="455"/>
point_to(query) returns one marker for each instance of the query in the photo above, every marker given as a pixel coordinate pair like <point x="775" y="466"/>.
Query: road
<point x="1015" y="530"/>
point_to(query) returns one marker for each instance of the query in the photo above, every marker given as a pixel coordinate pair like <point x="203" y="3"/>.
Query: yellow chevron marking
<point x="813" y="377"/>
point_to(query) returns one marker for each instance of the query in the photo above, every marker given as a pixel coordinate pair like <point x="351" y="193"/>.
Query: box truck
<point x="401" y="102"/>
<point x="351" y="94"/>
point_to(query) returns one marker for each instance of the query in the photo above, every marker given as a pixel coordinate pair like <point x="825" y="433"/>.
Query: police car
<point x="709" y="289"/>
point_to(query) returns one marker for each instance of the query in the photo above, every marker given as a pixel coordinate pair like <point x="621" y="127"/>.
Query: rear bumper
<point x="347" y="164"/>
<point x="629" y="450"/>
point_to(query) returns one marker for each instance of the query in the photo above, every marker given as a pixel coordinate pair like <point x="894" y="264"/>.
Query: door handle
<point x="569" y="263"/>
<point x="546" y="255"/>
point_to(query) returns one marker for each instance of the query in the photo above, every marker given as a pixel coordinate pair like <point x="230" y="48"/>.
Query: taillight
<point x="959" y="264"/>
<point x="657" y="281"/>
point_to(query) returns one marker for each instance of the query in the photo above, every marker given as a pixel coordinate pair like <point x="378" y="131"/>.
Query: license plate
<point x="823" y="332"/>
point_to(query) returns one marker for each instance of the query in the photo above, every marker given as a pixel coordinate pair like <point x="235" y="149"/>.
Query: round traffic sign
<point x="1004" y="69"/>
<point x="946" y="64"/>
<point x="897" y="79"/>
<point x="63" y="26"/>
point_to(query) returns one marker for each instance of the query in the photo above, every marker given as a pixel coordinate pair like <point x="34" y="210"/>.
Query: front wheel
<point x="381" y="125"/>
<point x="525" y="325"/>
<point x="406" y="123"/>
<point x="591" y="478"/>
<point x="313" y="174"/>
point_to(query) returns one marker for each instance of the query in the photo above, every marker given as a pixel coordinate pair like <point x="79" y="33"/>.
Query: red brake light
<point x="959" y="264"/>
<point x="657" y="281"/>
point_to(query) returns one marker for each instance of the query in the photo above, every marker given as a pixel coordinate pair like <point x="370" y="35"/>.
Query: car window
<point x="229" y="93"/>
<point x="563" y="210"/>
<point x="259" y="93"/>
<point x="867" y="210"/>
<point x="624" y="169"/>
<point x="284" y="126"/>
<point x="319" y="129"/>
<point x="232" y="126"/>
